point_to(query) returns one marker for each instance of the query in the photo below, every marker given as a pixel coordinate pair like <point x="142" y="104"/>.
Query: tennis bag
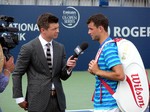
<point x="132" y="94"/>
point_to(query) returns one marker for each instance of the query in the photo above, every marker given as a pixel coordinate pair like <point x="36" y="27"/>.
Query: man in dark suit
<point x="44" y="89"/>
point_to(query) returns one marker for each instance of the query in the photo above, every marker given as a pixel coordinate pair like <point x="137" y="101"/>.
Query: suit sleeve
<point x="65" y="74"/>
<point x="22" y="63"/>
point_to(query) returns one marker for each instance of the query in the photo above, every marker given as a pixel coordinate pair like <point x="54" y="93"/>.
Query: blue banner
<point x="127" y="22"/>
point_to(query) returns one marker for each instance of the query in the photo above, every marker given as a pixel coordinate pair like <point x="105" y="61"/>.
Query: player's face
<point x="93" y="31"/>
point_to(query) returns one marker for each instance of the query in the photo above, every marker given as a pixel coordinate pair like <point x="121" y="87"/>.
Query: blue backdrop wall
<point x="127" y="22"/>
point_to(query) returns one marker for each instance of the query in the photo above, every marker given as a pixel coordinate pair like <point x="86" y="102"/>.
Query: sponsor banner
<point x="126" y="22"/>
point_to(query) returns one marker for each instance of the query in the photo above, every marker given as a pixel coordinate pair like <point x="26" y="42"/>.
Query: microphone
<point x="79" y="50"/>
<point x="8" y="29"/>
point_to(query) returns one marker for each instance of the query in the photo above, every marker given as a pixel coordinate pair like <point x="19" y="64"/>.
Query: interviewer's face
<point x="51" y="32"/>
<point x="93" y="31"/>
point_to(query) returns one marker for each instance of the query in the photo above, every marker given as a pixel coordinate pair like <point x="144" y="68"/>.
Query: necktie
<point x="49" y="60"/>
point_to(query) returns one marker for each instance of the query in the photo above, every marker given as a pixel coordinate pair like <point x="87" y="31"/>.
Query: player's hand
<point x="93" y="67"/>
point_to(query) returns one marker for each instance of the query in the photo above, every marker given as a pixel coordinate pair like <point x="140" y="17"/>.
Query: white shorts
<point x="113" y="110"/>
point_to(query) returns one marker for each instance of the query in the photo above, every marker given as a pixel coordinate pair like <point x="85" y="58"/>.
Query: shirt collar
<point x="107" y="39"/>
<point x="43" y="41"/>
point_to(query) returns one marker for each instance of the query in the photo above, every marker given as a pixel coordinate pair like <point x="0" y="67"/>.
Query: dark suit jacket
<point x="32" y="61"/>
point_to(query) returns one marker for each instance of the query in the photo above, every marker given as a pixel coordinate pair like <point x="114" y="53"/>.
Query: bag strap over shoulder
<point x="111" y="91"/>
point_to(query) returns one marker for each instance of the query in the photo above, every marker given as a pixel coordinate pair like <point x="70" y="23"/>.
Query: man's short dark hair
<point x="99" y="20"/>
<point x="45" y="19"/>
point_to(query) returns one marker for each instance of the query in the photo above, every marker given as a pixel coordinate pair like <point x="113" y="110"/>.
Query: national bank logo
<point x="70" y="17"/>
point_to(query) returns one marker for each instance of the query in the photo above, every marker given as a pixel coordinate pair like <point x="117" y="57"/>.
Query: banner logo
<point x="70" y="17"/>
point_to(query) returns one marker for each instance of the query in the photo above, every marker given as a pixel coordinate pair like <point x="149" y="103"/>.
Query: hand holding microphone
<point x="71" y="63"/>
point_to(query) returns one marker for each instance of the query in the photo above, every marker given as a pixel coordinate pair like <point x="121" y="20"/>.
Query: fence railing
<point x="133" y="3"/>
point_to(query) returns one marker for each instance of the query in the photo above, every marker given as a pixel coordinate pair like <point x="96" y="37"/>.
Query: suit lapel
<point x="41" y="55"/>
<point x="55" y="56"/>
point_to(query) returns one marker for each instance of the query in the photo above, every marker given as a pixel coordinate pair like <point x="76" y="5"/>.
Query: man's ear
<point x="101" y="28"/>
